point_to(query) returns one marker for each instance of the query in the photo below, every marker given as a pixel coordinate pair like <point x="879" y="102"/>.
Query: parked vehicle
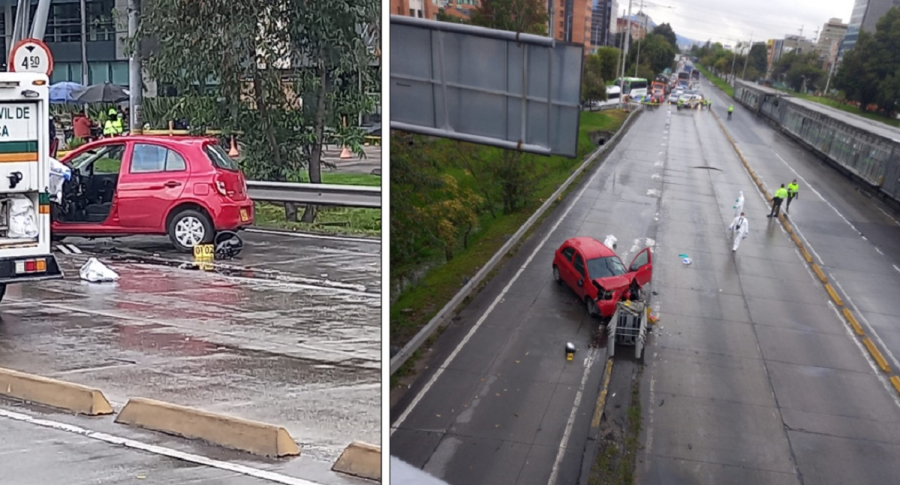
<point x="25" y="174"/>
<point x="185" y="187"/>
<point x="597" y="275"/>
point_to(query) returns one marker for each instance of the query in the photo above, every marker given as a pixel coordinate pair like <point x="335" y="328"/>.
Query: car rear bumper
<point x="234" y="215"/>
<point x="11" y="272"/>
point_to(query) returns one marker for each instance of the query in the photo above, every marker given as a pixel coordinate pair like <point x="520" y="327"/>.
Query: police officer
<point x="109" y="128"/>
<point x="730" y="110"/>
<point x="779" y="197"/>
<point x="118" y="124"/>
<point x="793" y="190"/>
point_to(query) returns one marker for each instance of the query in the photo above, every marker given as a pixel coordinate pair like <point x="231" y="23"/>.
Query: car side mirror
<point x="581" y="282"/>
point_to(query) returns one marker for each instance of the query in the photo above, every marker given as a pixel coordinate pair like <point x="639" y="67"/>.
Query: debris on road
<point x="685" y="258"/>
<point x="97" y="272"/>
<point x="610" y="241"/>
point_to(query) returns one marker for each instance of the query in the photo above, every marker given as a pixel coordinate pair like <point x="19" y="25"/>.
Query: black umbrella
<point x="100" y="93"/>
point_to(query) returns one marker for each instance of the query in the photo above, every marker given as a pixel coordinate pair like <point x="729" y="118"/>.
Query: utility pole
<point x="744" y="72"/>
<point x="733" y="60"/>
<point x="85" y="74"/>
<point x="135" y="85"/>
<point x="637" y="62"/>
<point x="625" y="49"/>
<point x="830" y="71"/>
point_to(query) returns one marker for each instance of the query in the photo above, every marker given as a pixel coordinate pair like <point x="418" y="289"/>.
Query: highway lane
<point x="752" y="376"/>
<point x="304" y="355"/>
<point x="498" y="403"/>
<point x="855" y="238"/>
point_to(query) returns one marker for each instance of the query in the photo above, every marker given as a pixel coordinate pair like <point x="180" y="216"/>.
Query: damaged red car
<point x="597" y="275"/>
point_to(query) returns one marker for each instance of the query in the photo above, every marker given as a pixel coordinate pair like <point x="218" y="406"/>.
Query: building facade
<point x="571" y="21"/>
<point x="423" y="9"/>
<point x="603" y="22"/>
<point x="833" y="32"/>
<point x="865" y="16"/>
<point x="637" y="29"/>
<point x="106" y="32"/>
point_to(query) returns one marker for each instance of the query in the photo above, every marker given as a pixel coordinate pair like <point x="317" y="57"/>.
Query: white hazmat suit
<point x="739" y="205"/>
<point x="739" y="228"/>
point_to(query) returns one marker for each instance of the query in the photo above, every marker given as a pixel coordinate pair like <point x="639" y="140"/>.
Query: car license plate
<point x="245" y="216"/>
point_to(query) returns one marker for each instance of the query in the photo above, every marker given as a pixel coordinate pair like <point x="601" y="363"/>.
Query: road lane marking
<point x="554" y="472"/>
<point x="440" y="370"/>
<point x="858" y="343"/>
<point x="157" y="450"/>
<point x="307" y="235"/>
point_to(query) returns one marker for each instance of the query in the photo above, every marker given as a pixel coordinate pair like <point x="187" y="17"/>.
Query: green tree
<point x="758" y="59"/>
<point x="665" y="31"/>
<point x="283" y="108"/>
<point x="593" y="88"/>
<point x="526" y="16"/>
<point x="609" y="62"/>
<point x="856" y="75"/>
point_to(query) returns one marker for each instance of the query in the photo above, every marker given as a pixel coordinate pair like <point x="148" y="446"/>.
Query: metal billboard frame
<point x="445" y="82"/>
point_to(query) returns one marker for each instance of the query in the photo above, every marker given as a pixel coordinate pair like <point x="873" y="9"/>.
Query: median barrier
<point x="360" y="460"/>
<point x="218" y="429"/>
<point x="51" y="392"/>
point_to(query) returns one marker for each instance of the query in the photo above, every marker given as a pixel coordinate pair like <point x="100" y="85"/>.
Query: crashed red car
<point x="597" y="275"/>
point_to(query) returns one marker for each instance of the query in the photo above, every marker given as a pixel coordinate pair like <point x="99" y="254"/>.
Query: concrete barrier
<point x="896" y="382"/>
<point x="833" y="294"/>
<point x="852" y="321"/>
<point x="808" y="257"/>
<point x="360" y="460"/>
<point x="876" y="354"/>
<point x="51" y="392"/>
<point x="218" y="429"/>
<point x="821" y="274"/>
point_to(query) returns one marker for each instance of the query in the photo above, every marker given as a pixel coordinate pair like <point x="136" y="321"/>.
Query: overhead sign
<point x="31" y="55"/>
<point x="515" y="91"/>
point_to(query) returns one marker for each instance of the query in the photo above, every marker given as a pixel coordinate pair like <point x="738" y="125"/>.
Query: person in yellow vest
<point x="109" y="128"/>
<point x="777" y="199"/>
<point x="793" y="190"/>
<point x="118" y="124"/>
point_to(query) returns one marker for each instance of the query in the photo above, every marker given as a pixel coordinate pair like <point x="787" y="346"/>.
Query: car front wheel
<point x="592" y="309"/>
<point x="189" y="228"/>
<point x="556" y="274"/>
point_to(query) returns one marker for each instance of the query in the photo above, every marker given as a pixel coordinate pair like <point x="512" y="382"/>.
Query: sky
<point x="733" y="20"/>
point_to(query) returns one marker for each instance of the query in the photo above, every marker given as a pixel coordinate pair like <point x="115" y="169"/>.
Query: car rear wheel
<point x="556" y="274"/>
<point x="592" y="309"/>
<point x="189" y="228"/>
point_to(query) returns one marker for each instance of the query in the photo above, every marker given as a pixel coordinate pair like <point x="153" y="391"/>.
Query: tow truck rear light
<point x="25" y="266"/>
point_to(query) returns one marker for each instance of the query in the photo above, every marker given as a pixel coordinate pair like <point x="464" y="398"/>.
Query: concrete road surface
<point x="753" y="377"/>
<point x="304" y="355"/>
<point x="499" y="404"/>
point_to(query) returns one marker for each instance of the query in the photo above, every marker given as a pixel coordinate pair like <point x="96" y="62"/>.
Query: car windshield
<point x="220" y="158"/>
<point x="603" y="267"/>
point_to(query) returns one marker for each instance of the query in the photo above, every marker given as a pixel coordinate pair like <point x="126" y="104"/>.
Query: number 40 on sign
<point x="31" y="55"/>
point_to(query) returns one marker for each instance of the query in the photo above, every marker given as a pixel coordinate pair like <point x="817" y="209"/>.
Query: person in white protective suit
<point x="739" y="204"/>
<point x="739" y="229"/>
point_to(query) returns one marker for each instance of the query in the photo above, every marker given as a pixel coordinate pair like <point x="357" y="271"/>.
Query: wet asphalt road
<point x="301" y="350"/>
<point x="509" y="409"/>
<point x="752" y="376"/>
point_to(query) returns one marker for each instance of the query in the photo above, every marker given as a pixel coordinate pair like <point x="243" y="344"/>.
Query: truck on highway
<point x="25" y="193"/>
<point x="695" y="76"/>
<point x="683" y="79"/>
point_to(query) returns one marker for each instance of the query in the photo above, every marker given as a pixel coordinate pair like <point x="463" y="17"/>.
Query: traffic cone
<point x="345" y="154"/>
<point x="233" y="152"/>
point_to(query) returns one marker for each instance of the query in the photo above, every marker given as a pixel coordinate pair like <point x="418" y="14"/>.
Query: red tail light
<point x="220" y="187"/>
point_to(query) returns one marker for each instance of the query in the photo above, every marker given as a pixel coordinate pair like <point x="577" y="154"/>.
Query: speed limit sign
<point x="31" y="55"/>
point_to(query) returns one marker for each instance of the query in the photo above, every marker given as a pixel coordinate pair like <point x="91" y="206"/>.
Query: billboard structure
<point x="492" y="87"/>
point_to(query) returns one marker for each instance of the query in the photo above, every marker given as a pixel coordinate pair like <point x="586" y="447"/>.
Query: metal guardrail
<point x="319" y="194"/>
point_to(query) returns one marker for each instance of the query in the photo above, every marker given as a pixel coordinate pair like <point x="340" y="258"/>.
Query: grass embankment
<point x="720" y="83"/>
<point x="331" y="220"/>
<point x="418" y="304"/>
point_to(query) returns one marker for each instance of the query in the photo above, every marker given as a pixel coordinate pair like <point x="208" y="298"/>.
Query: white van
<point x="613" y="98"/>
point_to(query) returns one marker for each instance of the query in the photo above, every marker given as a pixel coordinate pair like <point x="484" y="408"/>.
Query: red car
<point x="185" y="187"/>
<point x="597" y="275"/>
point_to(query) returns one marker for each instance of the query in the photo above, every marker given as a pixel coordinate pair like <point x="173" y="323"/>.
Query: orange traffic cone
<point x="345" y="154"/>
<point x="233" y="152"/>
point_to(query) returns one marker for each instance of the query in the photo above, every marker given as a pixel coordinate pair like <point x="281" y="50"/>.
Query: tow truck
<point x="25" y="253"/>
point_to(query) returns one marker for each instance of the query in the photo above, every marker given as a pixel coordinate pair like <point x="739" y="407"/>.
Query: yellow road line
<point x="896" y="382"/>
<point x="853" y="323"/>
<point x="833" y="294"/>
<point x="876" y="354"/>
<point x="797" y="240"/>
<point x="818" y="271"/>
<point x="787" y="226"/>
<point x="601" y="401"/>
<point x="806" y="255"/>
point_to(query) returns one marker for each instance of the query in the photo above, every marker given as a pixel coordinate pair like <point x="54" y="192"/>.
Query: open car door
<point x="642" y="267"/>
